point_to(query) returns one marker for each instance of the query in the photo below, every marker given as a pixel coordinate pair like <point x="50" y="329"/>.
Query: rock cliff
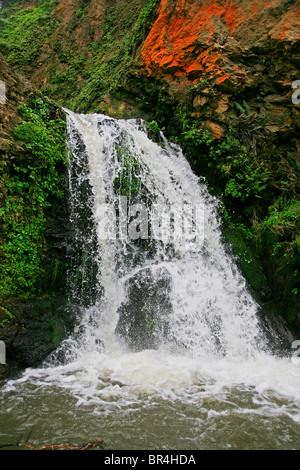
<point x="33" y="313"/>
<point x="217" y="75"/>
<point x="243" y="49"/>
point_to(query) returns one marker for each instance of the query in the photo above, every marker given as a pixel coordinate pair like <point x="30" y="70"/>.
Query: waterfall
<point x="169" y="348"/>
<point x="163" y="276"/>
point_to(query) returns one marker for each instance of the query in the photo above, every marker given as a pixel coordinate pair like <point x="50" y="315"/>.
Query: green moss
<point x="30" y="185"/>
<point x="8" y="318"/>
<point x="122" y="33"/>
<point x="247" y="260"/>
<point x="58" y="333"/>
<point x="23" y="37"/>
<point x="153" y="131"/>
<point x="89" y="72"/>
<point x="278" y="244"/>
<point x="128" y="182"/>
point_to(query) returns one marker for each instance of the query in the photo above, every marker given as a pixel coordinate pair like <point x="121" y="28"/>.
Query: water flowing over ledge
<point x="166" y="317"/>
<point x="205" y="307"/>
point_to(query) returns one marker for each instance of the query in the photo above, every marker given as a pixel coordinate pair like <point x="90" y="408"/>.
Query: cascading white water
<point x="210" y="311"/>
<point x="177" y="294"/>
<point x="166" y="316"/>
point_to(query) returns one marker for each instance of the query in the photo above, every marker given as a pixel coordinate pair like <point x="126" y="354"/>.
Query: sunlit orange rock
<point x="199" y="38"/>
<point x="234" y="45"/>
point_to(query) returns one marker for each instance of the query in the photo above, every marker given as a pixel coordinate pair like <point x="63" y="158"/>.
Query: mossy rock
<point x="248" y="263"/>
<point x="35" y="329"/>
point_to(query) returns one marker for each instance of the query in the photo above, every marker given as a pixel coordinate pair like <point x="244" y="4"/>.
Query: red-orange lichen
<point x="189" y="39"/>
<point x="172" y="41"/>
<point x="282" y="33"/>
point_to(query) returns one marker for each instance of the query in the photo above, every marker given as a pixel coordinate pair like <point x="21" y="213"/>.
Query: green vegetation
<point x="29" y="183"/>
<point x="121" y="36"/>
<point x="153" y="131"/>
<point x="242" y="176"/>
<point x="128" y="181"/>
<point x="259" y="189"/>
<point x="256" y="179"/>
<point x="22" y="39"/>
<point x="78" y="72"/>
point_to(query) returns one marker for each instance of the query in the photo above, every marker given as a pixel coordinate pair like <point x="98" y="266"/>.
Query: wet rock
<point x="31" y="330"/>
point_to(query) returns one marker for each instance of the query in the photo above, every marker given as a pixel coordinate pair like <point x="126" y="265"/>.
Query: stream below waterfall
<point x="169" y="350"/>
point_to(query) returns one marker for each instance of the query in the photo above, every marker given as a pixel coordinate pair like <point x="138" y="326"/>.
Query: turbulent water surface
<point x="169" y="351"/>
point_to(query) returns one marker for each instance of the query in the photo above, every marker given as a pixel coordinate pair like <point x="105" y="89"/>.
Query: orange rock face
<point x="194" y="39"/>
<point x="174" y="41"/>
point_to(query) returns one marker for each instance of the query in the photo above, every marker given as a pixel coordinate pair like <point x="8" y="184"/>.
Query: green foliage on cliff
<point x="128" y="181"/>
<point x="121" y="36"/>
<point x="79" y="72"/>
<point x="23" y="31"/>
<point x="259" y="188"/>
<point x="256" y="178"/>
<point x="29" y="184"/>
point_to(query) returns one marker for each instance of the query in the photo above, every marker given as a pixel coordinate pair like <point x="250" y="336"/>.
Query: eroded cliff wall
<point x="217" y="75"/>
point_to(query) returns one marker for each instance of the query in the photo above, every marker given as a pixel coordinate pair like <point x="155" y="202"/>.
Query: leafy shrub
<point x="29" y="187"/>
